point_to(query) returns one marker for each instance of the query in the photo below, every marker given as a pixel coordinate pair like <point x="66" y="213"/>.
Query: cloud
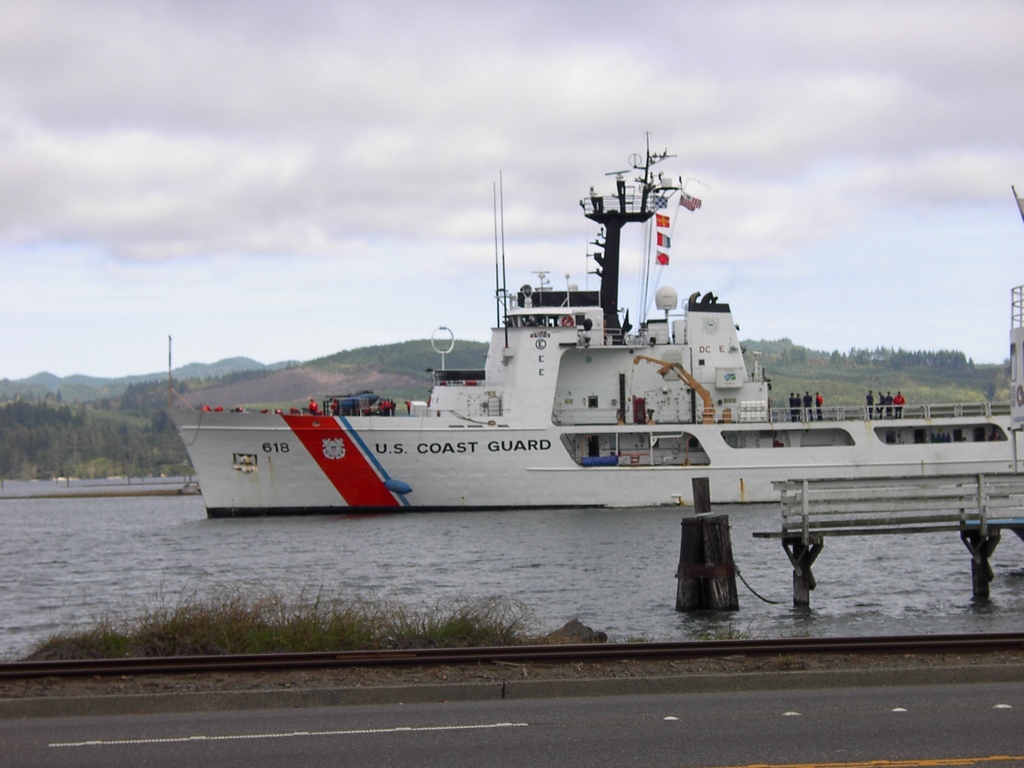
<point x="337" y="137"/>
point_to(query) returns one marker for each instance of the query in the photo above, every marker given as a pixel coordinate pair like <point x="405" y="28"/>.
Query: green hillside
<point x="407" y="358"/>
<point x="844" y="378"/>
<point x="83" y="389"/>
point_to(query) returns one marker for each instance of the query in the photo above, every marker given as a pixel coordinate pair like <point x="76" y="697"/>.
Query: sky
<point x="283" y="181"/>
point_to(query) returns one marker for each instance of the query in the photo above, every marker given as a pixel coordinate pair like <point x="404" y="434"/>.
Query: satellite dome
<point x="666" y="298"/>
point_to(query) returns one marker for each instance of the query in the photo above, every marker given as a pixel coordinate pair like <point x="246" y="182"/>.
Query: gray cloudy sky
<point x="285" y="180"/>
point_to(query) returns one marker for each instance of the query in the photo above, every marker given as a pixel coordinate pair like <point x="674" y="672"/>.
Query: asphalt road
<point x="918" y="725"/>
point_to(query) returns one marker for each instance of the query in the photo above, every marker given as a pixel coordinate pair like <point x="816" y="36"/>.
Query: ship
<point x="576" y="408"/>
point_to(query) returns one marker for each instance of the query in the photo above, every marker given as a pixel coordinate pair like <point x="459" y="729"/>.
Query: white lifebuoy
<point x="567" y="321"/>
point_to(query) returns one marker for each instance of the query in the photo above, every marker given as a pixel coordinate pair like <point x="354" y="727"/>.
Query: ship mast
<point x="613" y="212"/>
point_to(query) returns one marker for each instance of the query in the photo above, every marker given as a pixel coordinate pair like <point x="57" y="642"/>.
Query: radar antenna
<point x="613" y="212"/>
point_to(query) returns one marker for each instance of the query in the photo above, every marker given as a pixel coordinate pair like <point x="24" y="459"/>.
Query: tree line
<point x="43" y="440"/>
<point x="901" y="359"/>
<point x="887" y="358"/>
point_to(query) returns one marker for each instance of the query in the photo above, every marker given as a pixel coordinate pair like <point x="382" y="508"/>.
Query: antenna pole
<point x="504" y="278"/>
<point x="170" y="388"/>
<point x="497" y="277"/>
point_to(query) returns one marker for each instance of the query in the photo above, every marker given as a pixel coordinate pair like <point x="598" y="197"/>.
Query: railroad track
<point x="551" y="654"/>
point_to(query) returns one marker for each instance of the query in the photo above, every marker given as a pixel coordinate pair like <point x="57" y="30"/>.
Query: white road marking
<point x="294" y="734"/>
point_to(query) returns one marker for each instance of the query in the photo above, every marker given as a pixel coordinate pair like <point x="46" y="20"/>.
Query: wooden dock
<point x="978" y="507"/>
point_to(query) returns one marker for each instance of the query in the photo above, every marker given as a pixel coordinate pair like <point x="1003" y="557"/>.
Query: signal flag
<point x="688" y="202"/>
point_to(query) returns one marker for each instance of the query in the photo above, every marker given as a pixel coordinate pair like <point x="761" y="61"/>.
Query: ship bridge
<point x="542" y="307"/>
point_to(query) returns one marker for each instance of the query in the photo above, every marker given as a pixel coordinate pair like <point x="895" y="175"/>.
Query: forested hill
<point x="407" y="360"/>
<point x="943" y="376"/>
<point x="91" y="427"/>
<point x="402" y="369"/>
<point x="81" y="388"/>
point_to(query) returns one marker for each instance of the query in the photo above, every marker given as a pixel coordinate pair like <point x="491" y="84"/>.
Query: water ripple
<point x="66" y="562"/>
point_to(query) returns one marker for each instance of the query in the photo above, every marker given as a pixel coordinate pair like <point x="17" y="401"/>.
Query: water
<point x="65" y="562"/>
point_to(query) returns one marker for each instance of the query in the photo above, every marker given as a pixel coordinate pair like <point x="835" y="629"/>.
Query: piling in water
<point x="706" y="579"/>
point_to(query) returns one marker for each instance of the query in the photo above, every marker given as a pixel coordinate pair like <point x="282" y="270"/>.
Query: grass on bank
<point x="238" y="623"/>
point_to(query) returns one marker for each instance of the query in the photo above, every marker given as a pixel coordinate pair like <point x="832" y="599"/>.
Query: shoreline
<point x="91" y="494"/>
<point x="78" y="489"/>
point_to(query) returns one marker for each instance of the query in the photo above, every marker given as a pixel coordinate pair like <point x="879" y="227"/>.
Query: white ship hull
<point x="258" y="464"/>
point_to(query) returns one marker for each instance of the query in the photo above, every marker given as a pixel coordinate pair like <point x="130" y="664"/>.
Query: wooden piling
<point x="801" y="557"/>
<point x="701" y="495"/>
<point x="706" y="578"/>
<point x="691" y="553"/>
<point x="707" y="573"/>
<point x="981" y="546"/>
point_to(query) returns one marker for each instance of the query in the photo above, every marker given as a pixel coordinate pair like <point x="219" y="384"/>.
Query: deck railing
<point x="890" y="412"/>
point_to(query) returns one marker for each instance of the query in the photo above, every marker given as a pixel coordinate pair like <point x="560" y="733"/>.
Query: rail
<point x="575" y="653"/>
<point x="813" y="508"/>
<point x="883" y="412"/>
<point x="630" y="202"/>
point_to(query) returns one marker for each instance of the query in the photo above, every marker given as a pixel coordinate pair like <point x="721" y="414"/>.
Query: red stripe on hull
<point x="351" y="473"/>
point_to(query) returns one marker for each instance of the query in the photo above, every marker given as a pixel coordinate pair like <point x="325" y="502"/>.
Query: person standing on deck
<point x="808" y="403"/>
<point x="818" y="402"/>
<point x="899" y="401"/>
<point x="870" y="400"/>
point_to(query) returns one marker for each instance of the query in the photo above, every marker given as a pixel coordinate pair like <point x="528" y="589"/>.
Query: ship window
<point x="973" y="433"/>
<point x="592" y="401"/>
<point x="796" y="438"/>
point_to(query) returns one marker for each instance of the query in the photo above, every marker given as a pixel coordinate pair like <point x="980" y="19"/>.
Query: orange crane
<point x="682" y="373"/>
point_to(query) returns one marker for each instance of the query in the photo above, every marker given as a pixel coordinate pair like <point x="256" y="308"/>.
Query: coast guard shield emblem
<point x="334" y="448"/>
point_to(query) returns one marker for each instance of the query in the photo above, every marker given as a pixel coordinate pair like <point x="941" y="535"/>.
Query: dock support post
<point x="801" y="557"/>
<point x="706" y="578"/>
<point x="701" y="495"/>
<point x="981" y="546"/>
